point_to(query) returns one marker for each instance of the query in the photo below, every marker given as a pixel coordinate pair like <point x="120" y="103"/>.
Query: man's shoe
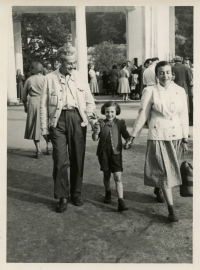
<point x="107" y="198"/>
<point x="61" y="207"/>
<point x="121" y="205"/>
<point x="78" y="201"/>
<point x="159" y="195"/>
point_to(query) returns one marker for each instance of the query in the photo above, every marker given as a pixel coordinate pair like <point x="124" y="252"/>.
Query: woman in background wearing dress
<point x="165" y="105"/>
<point x="93" y="80"/>
<point x="32" y="89"/>
<point x="20" y="84"/>
<point x="123" y="87"/>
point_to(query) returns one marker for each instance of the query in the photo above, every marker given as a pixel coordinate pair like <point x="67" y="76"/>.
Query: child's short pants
<point x="110" y="162"/>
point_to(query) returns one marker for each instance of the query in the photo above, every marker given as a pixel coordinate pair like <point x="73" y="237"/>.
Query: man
<point x="187" y="62"/>
<point x="149" y="77"/>
<point x="65" y="100"/>
<point x="147" y="63"/>
<point x="182" y="76"/>
<point x="113" y="76"/>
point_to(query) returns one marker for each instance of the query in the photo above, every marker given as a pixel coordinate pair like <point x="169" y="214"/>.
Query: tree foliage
<point x="43" y="34"/>
<point x="105" y="27"/>
<point x="106" y="54"/>
<point x="184" y="31"/>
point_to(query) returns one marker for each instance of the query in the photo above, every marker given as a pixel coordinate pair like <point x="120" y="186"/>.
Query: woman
<point x="93" y="80"/>
<point x="123" y="87"/>
<point x="165" y="105"/>
<point x="33" y="88"/>
<point x="20" y="84"/>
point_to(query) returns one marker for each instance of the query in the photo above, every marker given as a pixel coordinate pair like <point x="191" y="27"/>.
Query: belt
<point x="69" y="108"/>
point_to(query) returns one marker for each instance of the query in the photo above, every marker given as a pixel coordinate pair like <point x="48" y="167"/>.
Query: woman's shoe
<point x="159" y="195"/>
<point x="39" y="155"/>
<point x="107" y="198"/>
<point x="121" y="205"/>
<point x="172" y="214"/>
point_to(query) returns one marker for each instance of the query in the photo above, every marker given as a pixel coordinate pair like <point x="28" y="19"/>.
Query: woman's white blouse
<point x="92" y="73"/>
<point x="167" y="112"/>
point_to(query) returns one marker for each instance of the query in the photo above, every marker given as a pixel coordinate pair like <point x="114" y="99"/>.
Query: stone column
<point x="172" y="32"/>
<point x="18" y="42"/>
<point x="81" y="40"/>
<point x="11" y="73"/>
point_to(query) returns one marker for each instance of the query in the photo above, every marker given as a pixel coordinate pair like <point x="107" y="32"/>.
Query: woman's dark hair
<point x="123" y="65"/>
<point x="110" y="104"/>
<point x="114" y="67"/>
<point x="36" y="68"/>
<point x="161" y="64"/>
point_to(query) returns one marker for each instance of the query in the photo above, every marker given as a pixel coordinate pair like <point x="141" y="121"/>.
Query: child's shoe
<point x="121" y="205"/>
<point x="107" y="198"/>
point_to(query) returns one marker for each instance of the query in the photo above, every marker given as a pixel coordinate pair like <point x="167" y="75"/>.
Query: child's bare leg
<point x="106" y="180"/>
<point x="118" y="183"/>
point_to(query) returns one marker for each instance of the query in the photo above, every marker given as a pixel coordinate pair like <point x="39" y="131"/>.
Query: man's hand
<point x="96" y="128"/>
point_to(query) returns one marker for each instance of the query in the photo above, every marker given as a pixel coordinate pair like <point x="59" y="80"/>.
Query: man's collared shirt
<point x="68" y="99"/>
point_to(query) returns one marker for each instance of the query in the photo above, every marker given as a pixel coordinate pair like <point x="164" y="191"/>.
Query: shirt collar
<point x="61" y="77"/>
<point x="161" y="88"/>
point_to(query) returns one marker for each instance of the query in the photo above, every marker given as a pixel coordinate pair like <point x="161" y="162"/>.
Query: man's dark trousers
<point x="113" y="88"/>
<point x="68" y="134"/>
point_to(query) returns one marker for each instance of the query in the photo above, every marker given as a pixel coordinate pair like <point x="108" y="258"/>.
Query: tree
<point x="106" y="54"/>
<point x="43" y="34"/>
<point x="184" y="31"/>
<point x="105" y="27"/>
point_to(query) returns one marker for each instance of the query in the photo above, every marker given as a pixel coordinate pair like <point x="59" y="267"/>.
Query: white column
<point x="163" y="32"/>
<point x="127" y="37"/>
<point x="81" y="40"/>
<point x="18" y="45"/>
<point x="135" y="34"/>
<point x="12" y="89"/>
<point x="73" y="31"/>
<point x="172" y="32"/>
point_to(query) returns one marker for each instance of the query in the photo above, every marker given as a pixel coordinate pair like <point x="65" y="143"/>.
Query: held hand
<point x="128" y="144"/>
<point x="185" y="147"/>
<point x="96" y="128"/>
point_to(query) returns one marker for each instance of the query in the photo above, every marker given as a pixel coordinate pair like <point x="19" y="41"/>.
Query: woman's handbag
<point x="186" y="189"/>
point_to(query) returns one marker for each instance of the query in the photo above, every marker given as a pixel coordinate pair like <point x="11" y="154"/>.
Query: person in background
<point x="105" y="79"/>
<point x="114" y="77"/>
<point x="109" y="151"/>
<point x="149" y="77"/>
<point x="123" y="87"/>
<point x="147" y="63"/>
<point x="66" y="108"/>
<point x="93" y="80"/>
<point x="165" y="104"/>
<point x="100" y="83"/>
<point x="31" y="100"/>
<point x="56" y="65"/>
<point x="182" y="76"/>
<point x="20" y="84"/>
<point x="48" y="69"/>
<point x="130" y="71"/>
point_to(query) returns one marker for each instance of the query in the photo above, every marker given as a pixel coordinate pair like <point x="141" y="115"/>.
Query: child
<point x="109" y="150"/>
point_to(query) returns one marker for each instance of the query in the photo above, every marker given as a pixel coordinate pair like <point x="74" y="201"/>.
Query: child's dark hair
<point x="110" y="104"/>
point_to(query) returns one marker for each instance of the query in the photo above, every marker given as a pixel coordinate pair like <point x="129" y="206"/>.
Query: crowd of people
<point x="59" y="104"/>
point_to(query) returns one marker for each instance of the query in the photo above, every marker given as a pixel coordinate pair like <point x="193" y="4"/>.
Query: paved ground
<point x="95" y="232"/>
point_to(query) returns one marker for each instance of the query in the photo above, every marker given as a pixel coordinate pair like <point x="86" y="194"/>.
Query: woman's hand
<point x="96" y="128"/>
